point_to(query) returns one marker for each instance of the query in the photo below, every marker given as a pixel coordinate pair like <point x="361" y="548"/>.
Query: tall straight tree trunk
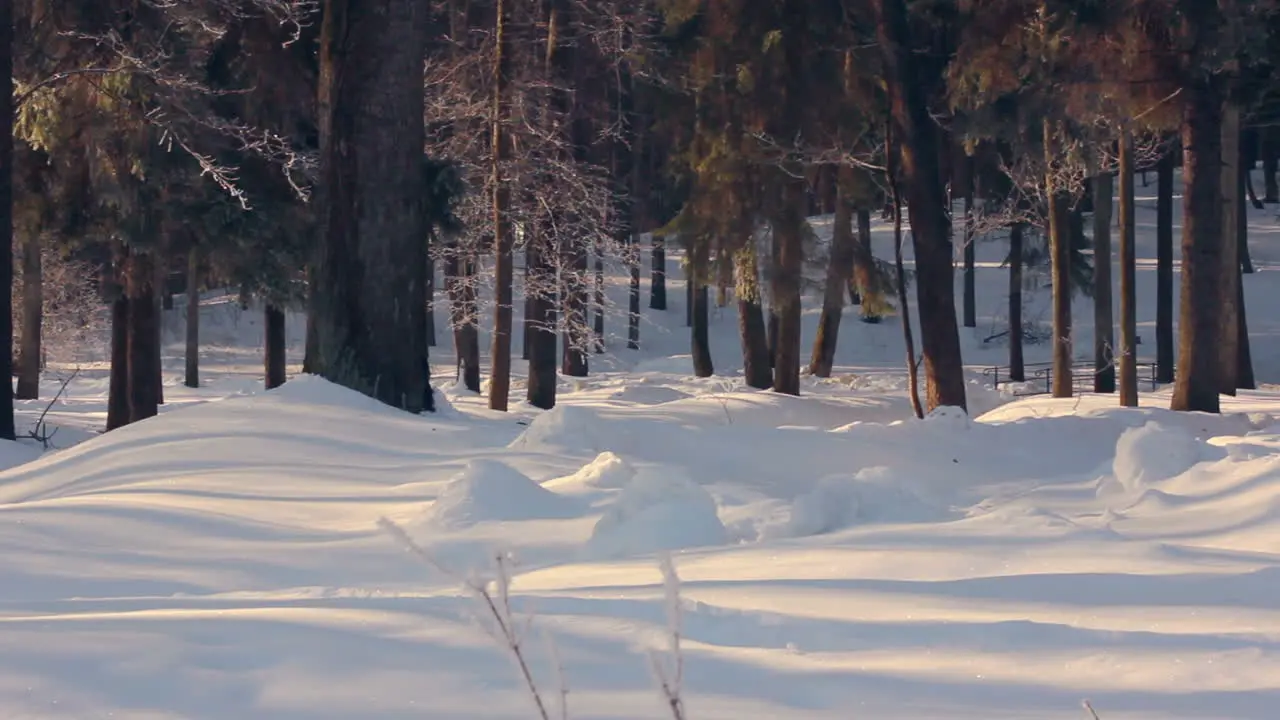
<point x="1199" y="329"/>
<point x="1128" y="277"/>
<point x="576" y="331"/>
<point x="311" y="352"/>
<point x="118" y="395"/>
<point x="1164" y="269"/>
<point x="1017" y="368"/>
<point x="788" y="239"/>
<point x="192" y="379"/>
<point x="1060" y="260"/>
<point x="32" y="318"/>
<point x="370" y="301"/>
<point x="1244" y="356"/>
<point x="527" y="337"/>
<point x="926" y="201"/>
<point x="541" y="391"/>
<point x="7" y="428"/>
<point x="1270" y="149"/>
<point x="757" y="370"/>
<point x="466" y="334"/>
<point x="688" y="296"/>
<point x="1228" y="344"/>
<point x="273" y="356"/>
<point x="839" y="270"/>
<point x="162" y="278"/>
<point x="141" y="336"/>
<point x="503" y="239"/>
<point x="864" y="268"/>
<point x="1104" y="346"/>
<point x="702" y="365"/>
<point x="658" y="273"/>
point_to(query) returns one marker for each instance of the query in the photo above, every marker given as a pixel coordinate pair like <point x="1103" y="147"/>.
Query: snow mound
<point x="491" y="491"/>
<point x="607" y="471"/>
<point x="564" y="428"/>
<point x="655" y="513"/>
<point x="1149" y="454"/>
<point x="949" y="416"/>
<point x="837" y="502"/>
<point x="315" y="390"/>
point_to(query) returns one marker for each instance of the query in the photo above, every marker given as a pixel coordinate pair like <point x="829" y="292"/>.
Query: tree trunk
<point x="904" y="305"/>
<point x="658" y="274"/>
<point x="431" y="300"/>
<point x="273" y="360"/>
<point x="1060" y="260"/>
<point x="1196" y="384"/>
<point x="32" y="318"/>
<point x="1228" y="343"/>
<point x="926" y="202"/>
<point x="161" y="276"/>
<point x="7" y="428"/>
<point x="1270" y="148"/>
<point x="1164" y="269"/>
<point x="576" y="336"/>
<point x="370" y="301"/>
<point x="702" y="365"/>
<point x="688" y="297"/>
<point x="504" y="267"/>
<point x="1128" y="277"/>
<point x="757" y="370"/>
<point x="142" y="336"/>
<point x="118" y="395"/>
<point x="788" y="241"/>
<point x="1017" y="368"/>
<point x="598" y="324"/>
<point x="311" y="351"/>
<point x="1244" y="357"/>
<point x="542" y="327"/>
<point x="633" y="299"/>
<point x="193" y="319"/>
<point x="1104" y="345"/>
<point x="839" y="270"/>
<point x="466" y="335"/>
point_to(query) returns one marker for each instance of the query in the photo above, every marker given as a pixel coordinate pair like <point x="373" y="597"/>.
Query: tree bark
<point x="1199" y="333"/>
<point x="1128" y="277"/>
<point x="576" y="335"/>
<point x="504" y="266"/>
<point x="702" y="365"/>
<point x="32" y="318"/>
<point x="118" y="395"/>
<point x="192" y="379"/>
<point x="542" y="327"/>
<point x="757" y="370"/>
<point x="1017" y="368"/>
<point x="658" y="274"/>
<point x="1104" y="346"/>
<point x="370" y="300"/>
<point x="1164" y="269"/>
<point x="274" y="362"/>
<point x="142" y="336"/>
<point x="1270" y="148"/>
<point x="1244" y="356"/>
<point x="839" y="270"/>
<point x="466" y="335"/>
<point x="1228" y="344"/>
<point x="926" y="201"/>
<point x="7" y="428"/>
<point x="1060" y="259"/>
<point x="788" y="240"/>
<point x="161" y="278"/>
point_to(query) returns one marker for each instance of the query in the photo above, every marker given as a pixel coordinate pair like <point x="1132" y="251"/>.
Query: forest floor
<point x="838" y="559"/>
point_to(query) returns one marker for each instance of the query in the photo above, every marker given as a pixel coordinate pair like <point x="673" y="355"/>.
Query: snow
<point x="838" y="558"/>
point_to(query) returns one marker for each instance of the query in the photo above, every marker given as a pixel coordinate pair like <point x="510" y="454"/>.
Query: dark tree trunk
<point x="142" y="336"/>
<point x="311" y="350"/>
<point x="1244" y="357"/>
<point x="771" y="336"/>
<point x="598" y="324"/>
<point x="504" y="239"/>
<point x="274" y="356"/>
<point x="633" y="301"/>
<point x="162" y="274"/>
<point x="1270" y="150"/>
<point x="1196" y="383"/>
<point x="118" y="395"/>
<point x="688" y="297"/>
<point x="702" y="365"/>
<point x="864" y="267"/>
<point x="926" y="201"/>
<point x="904" y="305"/>
<point x="370" y="301"/>
<point x="192" y="379"/>
<point x="466" y="335"/>
<point x="1104" y="345"/>
<point x="1128" y="278"/>
<point x="1164" y="269"/>
<point x="658" y="274"/>
<point x="431" y="300"/>
<point x="7" y="429"/>
<point x="839" y="270"/>
<point x="1060" y="259"/>
<point x="757" y="370"/>
<point x="1017" y="368"/>
<point x="576" y="336"/>
<point x="788" y="240"/>
<point x="32" y="318"/>
<point x="541" y="329"/>
<point x="1228" y="343"/>
<point x="527" y="337"/>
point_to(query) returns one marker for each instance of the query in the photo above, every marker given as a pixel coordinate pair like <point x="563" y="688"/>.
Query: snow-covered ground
<point x="838" y="560"/>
